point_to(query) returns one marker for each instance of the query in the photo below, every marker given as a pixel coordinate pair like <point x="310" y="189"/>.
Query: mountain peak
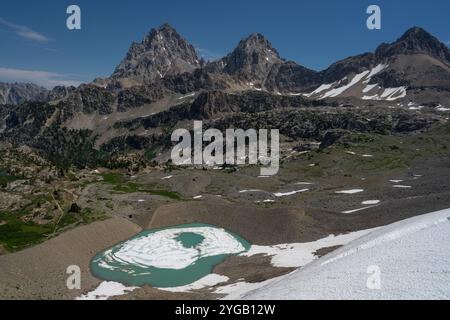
<point x="256" y="42"/>
<point x="164" y="31"/>
<point x="162" y="52"/>
<point x="252" y="59"/>
<point x="415" y="32"/>
<point x="415" y="40"/>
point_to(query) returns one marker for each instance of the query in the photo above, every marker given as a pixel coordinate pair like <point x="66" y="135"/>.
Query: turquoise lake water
<point x="131" y="272"/>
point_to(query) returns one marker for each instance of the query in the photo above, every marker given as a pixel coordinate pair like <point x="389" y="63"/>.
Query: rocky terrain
<point x="363" y="143"/>
<point x="16" y="93"/>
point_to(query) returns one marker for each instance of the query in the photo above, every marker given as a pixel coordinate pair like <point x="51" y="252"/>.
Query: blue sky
<point x="37" y="46"/>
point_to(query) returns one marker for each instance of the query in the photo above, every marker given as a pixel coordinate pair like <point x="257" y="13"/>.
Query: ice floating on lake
<point x="169" y="257"/>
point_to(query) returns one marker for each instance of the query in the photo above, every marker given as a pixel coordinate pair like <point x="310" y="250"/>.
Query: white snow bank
<point x="442" y="108"/>
<point x="210" y="280"/>
<point x="106" y="290"/>
<point x="352" y="191"/>
<point x="295" y="255"/>
<point x="290" y="193"/>
<point x="370" y="202"/>
<point x="335" y="92"/>
<point x="358" y="210"/>
<point x="251" y="190"/>
<point x="409" y="259"/>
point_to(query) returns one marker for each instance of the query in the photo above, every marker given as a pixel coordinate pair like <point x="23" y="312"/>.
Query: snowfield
<point x="295" y="255"/>
<point x="367" y="92"/>
<point x="412" y="257"/>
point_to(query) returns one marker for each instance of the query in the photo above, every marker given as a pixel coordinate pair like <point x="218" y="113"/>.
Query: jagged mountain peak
<point x="252" y="59"/>
<point x="163" y="33"/>
<point x="415" y="40"/>
<point x="258" y="43"/>
<point x="162" y="52"/>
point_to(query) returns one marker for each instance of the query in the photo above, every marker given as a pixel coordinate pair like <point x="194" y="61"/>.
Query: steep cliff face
<point x="161" y="53"/>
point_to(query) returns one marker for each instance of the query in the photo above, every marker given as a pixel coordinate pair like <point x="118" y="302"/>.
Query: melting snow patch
<point x="369" y="87"/>
<point x="377" y="70"/>
<point x="198" y="197"/>
<point x="442" y="108"/>
<point x="370" y="202"/>
<point x="187" y="96"/>
<point x="352" y="191"/>
<point x="210" y="280"/>
<point x="251" y="190"/>
<point x="295" y="255"/>
<point x="340" y="90"/>
<point x="320" y="89"/>
<point x="357" y="210"/>
<point x="107" y="289"/>
<point x="291" y="193"/>
<point x="166" y="178"/>
<point x="401" y="187"/>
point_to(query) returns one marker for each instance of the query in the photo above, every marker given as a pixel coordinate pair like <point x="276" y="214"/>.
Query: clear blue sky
<point x="34" y="37"/>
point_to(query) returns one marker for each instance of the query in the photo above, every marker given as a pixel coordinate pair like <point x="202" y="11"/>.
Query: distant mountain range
<point x="415" y="67"/>
<point x="417" y="61"/>
<point x="15" y="93"/>
<point x="162" y="81"/>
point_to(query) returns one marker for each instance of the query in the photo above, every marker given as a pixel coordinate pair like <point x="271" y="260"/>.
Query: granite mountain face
<point x="163" y="52"/>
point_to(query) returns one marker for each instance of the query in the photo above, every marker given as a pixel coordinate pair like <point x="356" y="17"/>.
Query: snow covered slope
<point x="359" y="86"/>
<point x="412" y="257"/>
